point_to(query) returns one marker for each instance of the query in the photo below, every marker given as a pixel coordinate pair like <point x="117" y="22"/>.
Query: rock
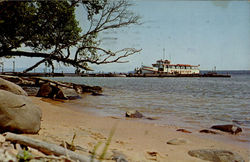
<point x="77" y="88"/>
<point x="30" y="90"/>
<point x="7" y="156"/>
<point x="2" y="138"/>
<point x="183" y="130"/>
<point x="228" y="128"/>
<point x="11" y="87"/>
<point x="119" y="157"/>
<point x="152" y="155"/>
<point x="134" y="114"/>
<point x="208" y="131"/>
<point x="216" y="155"/>
<point x="47" y="90"/>
<point x="18" y="114"/>
<point x="177" y="141"/>
<point x="67" y="93"/>
<point x="50" y="90"/>
<point x="91" y="89"/>
<point x="96" y="94"/>
<point x="151" y="118"/>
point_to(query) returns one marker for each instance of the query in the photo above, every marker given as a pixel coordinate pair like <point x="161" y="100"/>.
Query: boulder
<point x="177" y="141"/>
<point x="47" y="90"/>
<point x="67" y="93"/>
<point x="134" y="114"/>
<point x="50" y="90"/>
<point x="228" y="128"/>
<point x="18" y="114"/>
<point x="216" y="155"/>
<point x="11" y="87"/>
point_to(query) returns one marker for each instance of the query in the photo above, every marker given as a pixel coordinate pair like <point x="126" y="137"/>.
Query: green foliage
<point x="105" y="149"/>
<point x="94" y="151"/>
<point x="40" y="25"/>
<point x="24" y="156"/>
<point x="50" y="31"/>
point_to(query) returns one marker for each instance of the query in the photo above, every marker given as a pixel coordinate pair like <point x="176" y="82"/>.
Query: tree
<point x="51" y="31"/>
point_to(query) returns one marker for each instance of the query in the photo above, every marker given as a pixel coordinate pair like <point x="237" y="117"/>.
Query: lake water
<point x="189" y="102"/>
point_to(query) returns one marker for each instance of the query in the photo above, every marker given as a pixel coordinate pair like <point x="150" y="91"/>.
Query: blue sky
<point x="209" y="33"/>
<point x="192" y="32"/>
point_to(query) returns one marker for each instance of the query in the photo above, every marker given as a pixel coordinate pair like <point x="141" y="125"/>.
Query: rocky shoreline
<point x="19" y="114"/>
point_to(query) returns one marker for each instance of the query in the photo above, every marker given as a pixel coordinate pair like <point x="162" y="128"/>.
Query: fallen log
<point x="55" y="82"/>
<point x="44" y="147"/>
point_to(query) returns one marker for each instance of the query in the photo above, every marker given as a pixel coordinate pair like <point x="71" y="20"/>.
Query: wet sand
<point x="132" y="138"/>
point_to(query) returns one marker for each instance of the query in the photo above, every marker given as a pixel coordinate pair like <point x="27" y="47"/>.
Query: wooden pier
<point x="161" y="75"/>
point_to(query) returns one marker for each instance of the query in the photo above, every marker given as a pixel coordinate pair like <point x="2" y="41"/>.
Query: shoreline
<point x="133" y="138"/>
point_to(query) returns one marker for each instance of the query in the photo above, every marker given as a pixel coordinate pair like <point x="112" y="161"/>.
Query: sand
<point x="132" y="137"/>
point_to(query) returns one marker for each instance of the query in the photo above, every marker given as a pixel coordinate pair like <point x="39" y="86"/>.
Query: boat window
<point x="177" y="67"/>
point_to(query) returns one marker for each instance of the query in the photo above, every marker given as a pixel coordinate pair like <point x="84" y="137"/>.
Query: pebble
<point x="183" y="130"/>
<point x="177" y="141"/>
<point x="216" y="155"/>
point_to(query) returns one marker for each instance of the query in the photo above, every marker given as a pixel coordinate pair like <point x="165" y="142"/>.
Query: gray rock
<point x="228" y="128"/>
<point x="134" y="114"/>
<point x="216" y="155"/>
<point x="177" y="141"/>
<point x="31" y="91"/>
<point x="6" y="155"/>
<point x="90" y="89"/>
<point x="11" y="87"/>
<point x="119" y="157"/>
<point x="67" y="93"/>
<point x="18" y="114"/>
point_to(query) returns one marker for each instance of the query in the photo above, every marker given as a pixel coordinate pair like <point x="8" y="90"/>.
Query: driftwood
<point x="55" y="82"/>
<point x="44" y="147"/>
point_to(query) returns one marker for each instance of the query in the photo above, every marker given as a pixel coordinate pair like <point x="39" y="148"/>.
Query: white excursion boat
<point x="164" y="66"/>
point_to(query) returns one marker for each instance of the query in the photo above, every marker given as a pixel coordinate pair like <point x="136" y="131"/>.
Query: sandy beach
<point x="139" y="141"/>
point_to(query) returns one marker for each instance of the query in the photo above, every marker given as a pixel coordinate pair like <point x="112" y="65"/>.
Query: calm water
<point x="190" y="102"/>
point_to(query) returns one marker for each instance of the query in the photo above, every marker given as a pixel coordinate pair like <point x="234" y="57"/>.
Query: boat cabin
<point x="164" y="66"/>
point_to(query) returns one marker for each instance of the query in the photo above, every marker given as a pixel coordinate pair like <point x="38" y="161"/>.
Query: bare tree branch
<point x="114" y="14"/>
